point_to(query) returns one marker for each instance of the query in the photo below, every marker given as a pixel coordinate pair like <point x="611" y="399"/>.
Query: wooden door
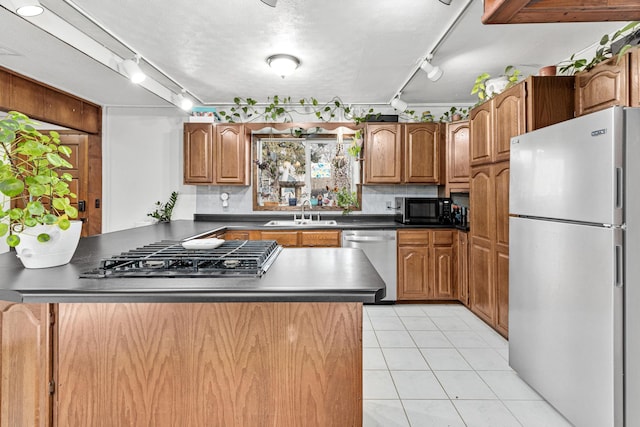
<point x="231" y="155"/>
<point x="500" y="178"/>
<point x="509" y="110"/>
<point x="634" y="67"/>
<point x="463" y="268"/>
<point x="458" y="168"/>
<point x="383" y="154"/>
<point x="198" y="153"/>
<point x="481" y="135"/>
<point x="482" y="203"/>
<point x="443" y="273"/>
<point x="26" y="369"/>
<point x="603" y="86"/>
<point x="79" y="145"/>
<point x="422" y="153"/>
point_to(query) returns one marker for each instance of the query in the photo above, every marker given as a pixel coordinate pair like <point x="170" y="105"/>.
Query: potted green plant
<point x="356" y="144"/>
<point x="347" y="200"/>
<point x="163" y="211"/>
<point x="37" y="215"/>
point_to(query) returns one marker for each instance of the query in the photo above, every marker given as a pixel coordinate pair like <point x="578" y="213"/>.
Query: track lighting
<point x="28" y="8"/>
<point x="447" y="2"/>
<point x="182" y="101"/>
<point x="433" y="73"/>
<point x="282" y="64"/>
<point x="132" y="70"/>
<point x="399" y="104"/>
<point x="271" y="3"/>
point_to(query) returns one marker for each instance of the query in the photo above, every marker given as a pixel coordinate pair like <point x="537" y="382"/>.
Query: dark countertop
<point x="345" y="222"/>
<point x="298" y="274"/>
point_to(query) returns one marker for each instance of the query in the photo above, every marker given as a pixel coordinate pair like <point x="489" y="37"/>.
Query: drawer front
<point x="443" y="237"/>
<point x="413" y="237"/>
<point x="320" y="239"/>
<point x="284" y="238"/>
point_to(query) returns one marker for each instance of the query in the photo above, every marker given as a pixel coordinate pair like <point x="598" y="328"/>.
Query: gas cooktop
<point x="243" y="258"/>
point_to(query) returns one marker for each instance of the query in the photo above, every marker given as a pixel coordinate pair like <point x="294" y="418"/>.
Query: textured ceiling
<point x="360" y="50"/>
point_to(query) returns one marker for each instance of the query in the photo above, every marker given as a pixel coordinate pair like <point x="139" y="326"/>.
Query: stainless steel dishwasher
<point x="380" y="247"/>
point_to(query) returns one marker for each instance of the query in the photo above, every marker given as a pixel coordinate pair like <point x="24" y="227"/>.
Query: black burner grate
<point x="169" y="259"/>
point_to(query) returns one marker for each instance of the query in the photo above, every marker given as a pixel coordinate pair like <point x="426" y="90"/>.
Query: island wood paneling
<point x="218" y="364"/>
<point x="26" y="367"/>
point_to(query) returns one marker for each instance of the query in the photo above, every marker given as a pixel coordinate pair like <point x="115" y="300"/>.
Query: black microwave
<point x="423" y="210"/>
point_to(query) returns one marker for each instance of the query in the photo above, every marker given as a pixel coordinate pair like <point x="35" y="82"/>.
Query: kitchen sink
<point x="301" y="223"/>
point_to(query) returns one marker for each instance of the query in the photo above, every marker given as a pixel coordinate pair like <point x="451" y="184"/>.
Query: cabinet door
<point x="603" y="86"/>
<point x="288" y="239"/>
<point x="481" y="279"/>
<point x="463" y="268"/>
<point x="383" y="154"/>
<point x="458" y="168"/>
<point x="509" y="111"/>
<point x="231" y="155"/>
<point x="422" y="153"/>
<point x="198" y="153"/>
<point x="482" y="203"/>
<point x="320" y="238"/>
<point x="243" y="235"/>
<point x="413" y="273"/>
<point x="444" y="285"/>
<point x="502" y="289"/>
<point x="26" y="368"/>
<point x="500" y="178"/>
<point x="481" y="130"/>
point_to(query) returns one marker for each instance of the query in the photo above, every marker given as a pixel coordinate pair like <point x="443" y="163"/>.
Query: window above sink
<point x="296" y="165"/>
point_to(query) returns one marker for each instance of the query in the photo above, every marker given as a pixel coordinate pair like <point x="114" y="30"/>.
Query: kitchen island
<point x="284" y="349"/>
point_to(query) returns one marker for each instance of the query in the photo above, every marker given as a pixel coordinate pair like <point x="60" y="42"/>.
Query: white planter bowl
<point x="57" y="251"/>
<point x="496" y="85"/>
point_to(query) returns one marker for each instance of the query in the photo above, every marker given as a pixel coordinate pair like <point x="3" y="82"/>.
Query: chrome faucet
<point x="302" y="207"/>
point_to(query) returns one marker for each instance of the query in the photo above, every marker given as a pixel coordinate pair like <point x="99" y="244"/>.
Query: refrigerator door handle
<point x="619" y="188"/>
<point x="618" y="266"/>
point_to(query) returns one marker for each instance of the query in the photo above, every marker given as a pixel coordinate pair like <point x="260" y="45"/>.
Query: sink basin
<point x="300" y="223"/>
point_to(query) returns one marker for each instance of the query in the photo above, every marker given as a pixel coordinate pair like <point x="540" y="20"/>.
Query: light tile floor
<point x="440" y="365"/>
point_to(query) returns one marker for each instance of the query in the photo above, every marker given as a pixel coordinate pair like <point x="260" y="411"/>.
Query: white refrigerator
<point x="574" y="267"/>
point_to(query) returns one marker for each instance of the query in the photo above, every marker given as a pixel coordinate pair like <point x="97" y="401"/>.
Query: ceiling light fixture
<point x="433" y="73"/>
<point x="272" y="3"/>
<point x="399" y="104"/>
<point x="28" y="8"/>
<point x="282" y="64"/>
<point x="132" y="70"/>
<point x="183" y="101"/>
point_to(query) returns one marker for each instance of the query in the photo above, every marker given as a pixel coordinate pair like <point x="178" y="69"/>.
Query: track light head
<point x="433" y="73"/>
<point x="132" y="70"/>
<point x="399" y="104"/>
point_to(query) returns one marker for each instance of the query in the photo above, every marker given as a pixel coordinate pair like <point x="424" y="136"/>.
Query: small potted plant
<point x="347" y="200"/>
<point x="37" y="215"/>
<point x="163" y="211"/>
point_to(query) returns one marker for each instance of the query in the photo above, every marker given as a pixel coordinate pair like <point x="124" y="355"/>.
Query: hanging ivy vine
<point x="281" y="108"/>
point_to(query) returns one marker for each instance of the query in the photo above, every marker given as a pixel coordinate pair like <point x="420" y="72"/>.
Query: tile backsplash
<point x="374" y="198"/>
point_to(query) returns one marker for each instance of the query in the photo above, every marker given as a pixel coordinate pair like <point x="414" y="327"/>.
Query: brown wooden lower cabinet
<point x="463" y="267"/>
<point x="426" y="265"/>
<point x="209" y="364"/>
<point x="290" y="238"/>
<point x="27" y="365"/>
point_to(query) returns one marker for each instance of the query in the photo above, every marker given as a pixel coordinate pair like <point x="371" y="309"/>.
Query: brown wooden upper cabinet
<point x="540" y="11"/>
<point x="198" y="153"/>
<point x="403" y="153"/>
<point x="612" y="82"/>
<point x="383" y="154"/>
<point x="216" y="155"/>
<point x="422" y="153"/>
<point x="532" y="104"/>
<point x="457" y="155"/>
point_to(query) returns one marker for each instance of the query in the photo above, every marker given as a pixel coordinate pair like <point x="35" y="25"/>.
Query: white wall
<point x="142" y="164"/>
